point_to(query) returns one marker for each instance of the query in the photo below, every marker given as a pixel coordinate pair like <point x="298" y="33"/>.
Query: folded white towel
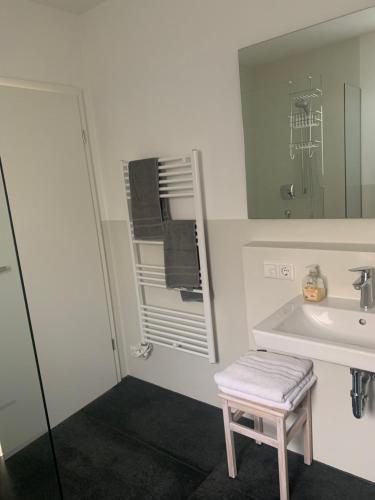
<point x="273" y="377"/>
<point x="288" y="405"/>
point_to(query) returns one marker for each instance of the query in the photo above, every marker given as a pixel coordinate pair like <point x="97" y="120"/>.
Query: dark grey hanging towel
<point x="187" y="296"/>
<point x="148" y="210"/>
<point x="181" y="258"/>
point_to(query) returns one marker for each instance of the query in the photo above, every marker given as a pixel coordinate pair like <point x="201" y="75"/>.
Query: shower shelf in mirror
<point x="302" y="95"/>
<point x="308" y="120"/>
<point x="179" y="329"/>
<point x="306" y="145"/>
<point x="302" y="146"/>
<point x="303" y="120"/>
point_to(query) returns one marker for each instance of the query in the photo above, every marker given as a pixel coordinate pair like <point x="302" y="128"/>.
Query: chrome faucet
<point x="366" y="284"/>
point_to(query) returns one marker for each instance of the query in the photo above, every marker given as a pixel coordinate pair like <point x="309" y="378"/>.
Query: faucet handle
<point x="362" y="269"/>
<point x="367" y="273"/>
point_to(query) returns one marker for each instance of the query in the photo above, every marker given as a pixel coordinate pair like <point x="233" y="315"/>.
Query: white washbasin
<point x="334" y="330"/>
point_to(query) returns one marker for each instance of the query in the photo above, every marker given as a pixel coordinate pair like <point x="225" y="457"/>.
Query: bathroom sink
<point x="334" y="330"/>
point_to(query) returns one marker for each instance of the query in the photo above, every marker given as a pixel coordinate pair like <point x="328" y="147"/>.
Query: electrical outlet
<point x="270" y="270"/>
<point x="286" y="271"/>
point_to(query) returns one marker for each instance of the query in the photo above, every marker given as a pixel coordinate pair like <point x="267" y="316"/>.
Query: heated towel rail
<point x="179" y="329"/>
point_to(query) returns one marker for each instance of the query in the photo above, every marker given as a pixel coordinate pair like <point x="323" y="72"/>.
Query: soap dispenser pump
<point x="314" y="285"/>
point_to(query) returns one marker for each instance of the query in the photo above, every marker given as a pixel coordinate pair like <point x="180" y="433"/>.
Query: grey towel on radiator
<point x="181" y="255"/>
<point x="188" y="296"/>
<point x="148" y="210"/>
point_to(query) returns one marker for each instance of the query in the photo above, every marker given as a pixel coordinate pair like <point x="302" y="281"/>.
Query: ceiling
<point x="74" y="6"/>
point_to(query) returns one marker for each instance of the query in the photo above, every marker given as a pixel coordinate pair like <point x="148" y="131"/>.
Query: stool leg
<point x="283" y="459"/>
<point x="229" y="440"/>
<point x="258" y="426"/>
<point x="307" y="431"/>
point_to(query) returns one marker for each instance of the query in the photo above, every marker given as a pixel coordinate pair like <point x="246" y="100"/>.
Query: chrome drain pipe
<point x="359" y="392"/>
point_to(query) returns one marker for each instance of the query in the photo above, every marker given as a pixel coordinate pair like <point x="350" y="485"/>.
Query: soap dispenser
<point x="314" y="285"/>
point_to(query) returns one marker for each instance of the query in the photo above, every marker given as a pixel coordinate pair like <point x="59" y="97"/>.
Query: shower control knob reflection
<point x="287" y="192"/>
<point x="4" y="268"/>
<point x="288" y="214"/>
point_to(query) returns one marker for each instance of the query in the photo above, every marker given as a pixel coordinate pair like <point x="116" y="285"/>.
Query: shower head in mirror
<point x="302" y="104"/>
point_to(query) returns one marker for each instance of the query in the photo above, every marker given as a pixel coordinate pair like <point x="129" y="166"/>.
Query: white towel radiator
<point x="180" y="329"/>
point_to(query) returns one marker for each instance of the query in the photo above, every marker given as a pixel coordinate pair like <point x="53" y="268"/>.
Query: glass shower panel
<point x="27" y="465"/>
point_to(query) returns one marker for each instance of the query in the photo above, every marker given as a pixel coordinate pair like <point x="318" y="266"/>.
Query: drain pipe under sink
<point x="359" y="392"/>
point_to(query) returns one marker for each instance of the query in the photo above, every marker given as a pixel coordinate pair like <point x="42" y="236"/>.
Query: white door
<point x="46" y="172"/>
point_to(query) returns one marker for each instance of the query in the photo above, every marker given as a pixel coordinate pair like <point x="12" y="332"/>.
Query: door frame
<point x="78" y="93"/>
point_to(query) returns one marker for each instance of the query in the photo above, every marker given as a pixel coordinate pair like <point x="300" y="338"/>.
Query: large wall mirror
<point x="308" y="107"/>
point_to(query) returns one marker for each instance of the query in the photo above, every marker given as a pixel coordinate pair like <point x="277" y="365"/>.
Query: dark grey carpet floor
<point x="141" y="442"/>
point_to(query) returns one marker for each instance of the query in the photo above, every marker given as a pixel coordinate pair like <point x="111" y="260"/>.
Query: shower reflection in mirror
<point x="307" y="123"/>
<point x="306" y="138"/>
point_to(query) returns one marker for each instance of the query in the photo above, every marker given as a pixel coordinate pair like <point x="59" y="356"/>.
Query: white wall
<point x="39" y="43"/>
<point x="162" y="78"/>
